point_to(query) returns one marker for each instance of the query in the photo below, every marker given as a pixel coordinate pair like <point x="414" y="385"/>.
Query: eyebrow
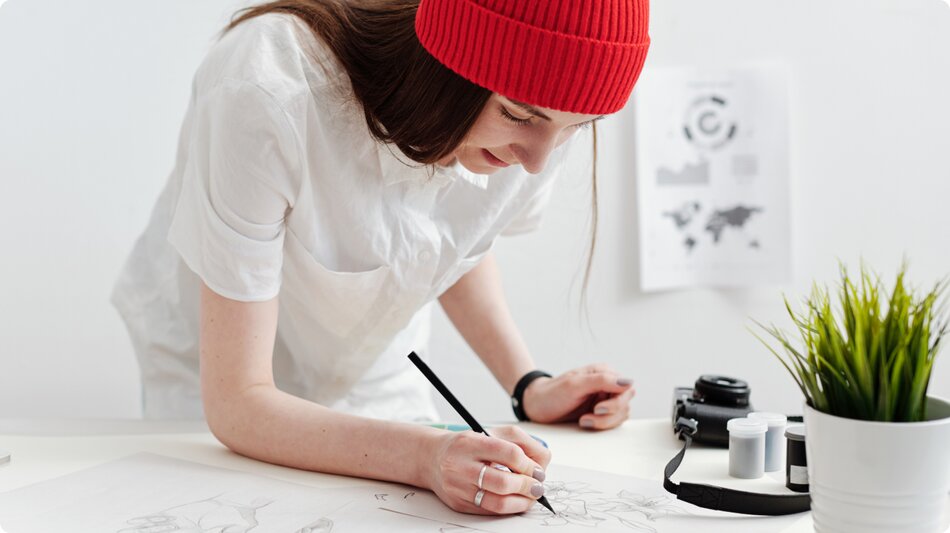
<point x="530" y="109"/>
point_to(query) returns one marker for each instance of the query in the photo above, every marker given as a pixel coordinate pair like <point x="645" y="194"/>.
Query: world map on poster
<point x="693" y="224"/>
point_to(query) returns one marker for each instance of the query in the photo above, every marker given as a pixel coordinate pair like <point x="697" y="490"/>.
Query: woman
<point x="341" y="166"/>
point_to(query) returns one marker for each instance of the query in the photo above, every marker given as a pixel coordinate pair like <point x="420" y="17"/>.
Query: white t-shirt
<point x="279" y="189"/>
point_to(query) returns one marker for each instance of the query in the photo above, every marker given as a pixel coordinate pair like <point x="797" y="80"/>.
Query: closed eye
<point x="511" y="118"/>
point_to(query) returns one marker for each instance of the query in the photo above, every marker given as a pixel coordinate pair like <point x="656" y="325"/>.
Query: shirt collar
<point x="396" y="167"/>
<point x="459" y="171"/>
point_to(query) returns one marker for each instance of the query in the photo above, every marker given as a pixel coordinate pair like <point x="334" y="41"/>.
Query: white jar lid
<point x="772" y="419"/>
<point x="747" y="426"/>
<point x="795" y="432"/>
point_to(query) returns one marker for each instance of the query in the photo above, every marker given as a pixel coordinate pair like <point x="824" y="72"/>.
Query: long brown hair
<point x="408" y="97"/>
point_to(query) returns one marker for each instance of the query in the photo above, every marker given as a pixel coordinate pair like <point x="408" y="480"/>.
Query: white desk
<point x="45" y="449"/>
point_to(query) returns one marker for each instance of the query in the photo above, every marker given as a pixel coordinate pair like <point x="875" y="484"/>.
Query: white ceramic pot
<point x="879" y="477"/>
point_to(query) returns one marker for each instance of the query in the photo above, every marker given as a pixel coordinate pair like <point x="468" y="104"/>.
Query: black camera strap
<point x="721" y="498"/>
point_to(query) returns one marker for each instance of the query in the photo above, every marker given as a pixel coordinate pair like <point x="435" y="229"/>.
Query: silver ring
<point x="481" y="475"/>
<point x="478" y="497"/>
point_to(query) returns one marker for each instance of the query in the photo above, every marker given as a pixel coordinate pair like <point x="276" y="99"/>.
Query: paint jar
<point x="796" y="464"/>
<point x="747" y="447"/>
<point x="774" y="439"/>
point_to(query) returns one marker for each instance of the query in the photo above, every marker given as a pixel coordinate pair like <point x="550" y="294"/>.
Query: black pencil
<point x="459" y="408"/>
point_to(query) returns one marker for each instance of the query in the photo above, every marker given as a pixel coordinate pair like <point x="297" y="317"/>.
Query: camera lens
<point x="721" y="390"/>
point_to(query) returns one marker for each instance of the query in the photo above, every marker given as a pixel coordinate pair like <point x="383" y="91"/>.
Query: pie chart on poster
<point x="709" y="123"/>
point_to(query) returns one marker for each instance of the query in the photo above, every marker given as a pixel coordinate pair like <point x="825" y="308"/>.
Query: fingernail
<point x="538" y="474"/>
<point x="623" y="382"/>
<point x="587" y="423"/>
<point x="537" y="490"/>
<point x="601" y="411"/>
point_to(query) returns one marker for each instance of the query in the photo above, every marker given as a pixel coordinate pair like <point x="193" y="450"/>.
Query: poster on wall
<point x="712" y="177"/>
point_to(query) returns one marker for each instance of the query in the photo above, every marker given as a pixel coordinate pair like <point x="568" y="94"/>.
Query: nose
<point x="533" y="152"/>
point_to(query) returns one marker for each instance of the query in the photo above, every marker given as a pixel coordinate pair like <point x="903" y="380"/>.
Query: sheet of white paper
<point x="147" y="493"/>
<point x="712" y="165"/>
<point x="590" y="499"/>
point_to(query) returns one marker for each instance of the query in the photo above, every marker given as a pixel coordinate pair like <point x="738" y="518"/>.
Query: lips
<point x="492" y="160"/>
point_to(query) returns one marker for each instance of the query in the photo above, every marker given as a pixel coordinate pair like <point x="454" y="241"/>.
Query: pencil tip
<point x="544" y="501"/>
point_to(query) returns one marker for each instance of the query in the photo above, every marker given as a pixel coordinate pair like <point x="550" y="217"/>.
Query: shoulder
<point x="277" y="53"/>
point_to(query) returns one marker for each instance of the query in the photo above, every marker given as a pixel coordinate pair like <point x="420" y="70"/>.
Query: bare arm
<point x="249" y="415"/>
<point x="476" y="306"/>
<point x="594" y="395"/>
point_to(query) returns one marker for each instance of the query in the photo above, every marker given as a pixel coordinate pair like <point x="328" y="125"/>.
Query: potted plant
<point x="878" y="447"/>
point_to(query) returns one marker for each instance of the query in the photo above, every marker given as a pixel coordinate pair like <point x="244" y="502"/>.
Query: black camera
<point x="711" y="402"/>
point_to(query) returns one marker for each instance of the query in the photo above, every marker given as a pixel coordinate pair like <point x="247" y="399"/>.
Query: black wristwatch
<point x="517" y="397"/>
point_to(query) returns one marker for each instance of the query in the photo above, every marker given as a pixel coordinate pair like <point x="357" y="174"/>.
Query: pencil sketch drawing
<point x="324" y="525"/>
<point x="212" y="515"/>
<point x="209" y="515"/>
<point x="578" y="504"/>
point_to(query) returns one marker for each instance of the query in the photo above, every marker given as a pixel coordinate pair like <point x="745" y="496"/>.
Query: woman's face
<point x="508" y="132"/>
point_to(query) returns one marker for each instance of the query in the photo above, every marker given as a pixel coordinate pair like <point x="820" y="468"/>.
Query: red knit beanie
<point x="580" y="56"/>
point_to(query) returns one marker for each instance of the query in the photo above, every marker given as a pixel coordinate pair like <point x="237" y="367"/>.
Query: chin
<point x="478" y="167"/>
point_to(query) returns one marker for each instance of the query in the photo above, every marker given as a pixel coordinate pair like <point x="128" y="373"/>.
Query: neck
<point x="446" y="161"/>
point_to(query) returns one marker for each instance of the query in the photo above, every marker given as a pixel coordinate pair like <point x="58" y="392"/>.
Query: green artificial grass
<point x="869" y="358"/>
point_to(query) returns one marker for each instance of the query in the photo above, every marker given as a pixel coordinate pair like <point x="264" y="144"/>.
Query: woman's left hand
<point x="594" y="395"/>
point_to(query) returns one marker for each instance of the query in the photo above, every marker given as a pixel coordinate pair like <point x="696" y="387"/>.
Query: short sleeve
<point x="529" y="218"/>
<point x="531" y="213"/>
<point x="239" y="181"/>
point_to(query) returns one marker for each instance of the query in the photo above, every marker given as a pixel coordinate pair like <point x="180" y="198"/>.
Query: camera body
<point x="711" y="403"/>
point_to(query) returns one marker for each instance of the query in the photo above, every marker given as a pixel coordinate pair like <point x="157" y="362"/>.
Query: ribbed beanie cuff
<point x="579" y="56"/>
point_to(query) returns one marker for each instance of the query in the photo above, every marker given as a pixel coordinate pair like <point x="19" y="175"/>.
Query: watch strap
<point x="517" y="397"/>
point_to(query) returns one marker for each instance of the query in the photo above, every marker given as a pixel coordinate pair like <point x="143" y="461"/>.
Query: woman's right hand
<point x="459" y="457"/>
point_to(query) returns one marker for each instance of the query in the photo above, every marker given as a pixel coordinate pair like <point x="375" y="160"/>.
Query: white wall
<point x="91" y="98"/>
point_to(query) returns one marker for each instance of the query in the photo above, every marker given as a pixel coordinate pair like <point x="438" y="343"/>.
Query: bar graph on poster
<point x="712" y="177"/>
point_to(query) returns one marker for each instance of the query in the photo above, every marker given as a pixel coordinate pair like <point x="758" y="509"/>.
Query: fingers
<point x="506" y="491"/>
<point x="506" y="504"/>
<point x="591" y="383"/>
<point x="491" y="504"/>
<point x="511" y="454"/>
<point x="528" y="444"/>
<point x="609" y="413"/>
<point x="502" y="482"/>
<point x="614" y="403"/>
